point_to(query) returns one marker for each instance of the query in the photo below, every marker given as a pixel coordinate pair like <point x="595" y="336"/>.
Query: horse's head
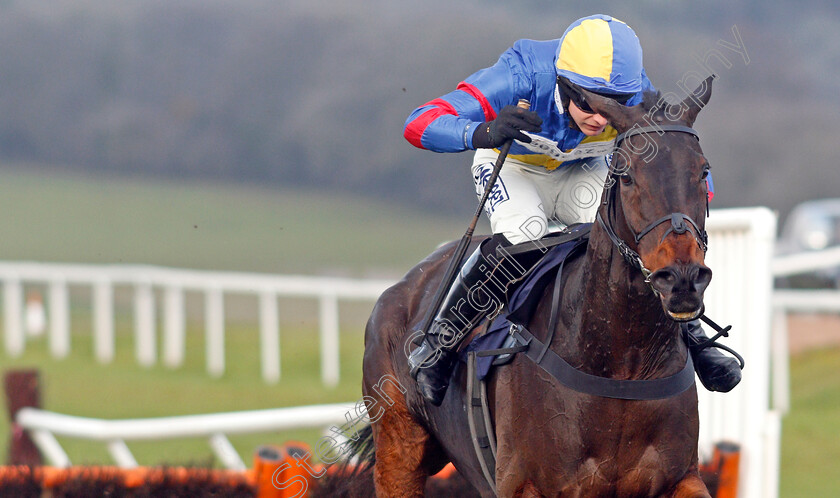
<point x="657" y="196"/>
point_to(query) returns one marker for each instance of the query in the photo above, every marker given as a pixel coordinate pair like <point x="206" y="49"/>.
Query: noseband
<point x="680" y="222"/>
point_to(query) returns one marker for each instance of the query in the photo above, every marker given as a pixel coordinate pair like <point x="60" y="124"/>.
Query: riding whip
<point x="461" y="249"/>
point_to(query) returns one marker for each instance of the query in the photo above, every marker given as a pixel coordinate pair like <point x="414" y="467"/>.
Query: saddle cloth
<point x="522" y="302"/>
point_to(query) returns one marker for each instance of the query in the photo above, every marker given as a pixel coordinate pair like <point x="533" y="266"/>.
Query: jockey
<point x="554" y="173"/>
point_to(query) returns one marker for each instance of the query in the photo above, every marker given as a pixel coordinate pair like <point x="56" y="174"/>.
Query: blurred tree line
<point x="315" y="92"/>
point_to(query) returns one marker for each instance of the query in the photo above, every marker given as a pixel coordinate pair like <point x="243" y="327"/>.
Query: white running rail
<point x="172" y="284"/>
<point x="43" y="426"/>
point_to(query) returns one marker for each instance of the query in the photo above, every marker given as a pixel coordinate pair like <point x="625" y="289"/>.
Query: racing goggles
<point x="580" y="101"/>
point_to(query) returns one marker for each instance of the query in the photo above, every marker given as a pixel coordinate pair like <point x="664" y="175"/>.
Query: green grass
<point x="811" y="431"/>
<point x="78" y="385"/>
<point x="48" y="215"/>
<point x="51" y="216"/>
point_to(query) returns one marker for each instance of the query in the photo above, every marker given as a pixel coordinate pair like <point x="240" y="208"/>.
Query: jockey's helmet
<point x="602" y="54"/>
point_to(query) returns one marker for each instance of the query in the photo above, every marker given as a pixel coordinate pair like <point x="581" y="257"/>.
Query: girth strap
<point x="573" y="378"/>
<point x="481" y="427"/>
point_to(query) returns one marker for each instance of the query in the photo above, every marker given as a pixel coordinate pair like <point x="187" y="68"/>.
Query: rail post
<point x="22" y="390"/>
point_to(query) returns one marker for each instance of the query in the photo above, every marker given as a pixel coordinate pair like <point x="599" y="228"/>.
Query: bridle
<point x="680" y="222"/>
<point x="678" y="226"/>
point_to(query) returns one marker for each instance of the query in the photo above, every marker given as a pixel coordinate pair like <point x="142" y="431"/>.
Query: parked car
<point x="811" y="226"/>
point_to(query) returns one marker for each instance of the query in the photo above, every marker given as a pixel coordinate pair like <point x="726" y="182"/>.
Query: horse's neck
<point x="621" y="329"/>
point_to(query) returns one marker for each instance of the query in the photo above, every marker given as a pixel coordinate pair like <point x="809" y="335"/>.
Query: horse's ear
<point x="620" y="116"/>
<point x="698" y="99"/>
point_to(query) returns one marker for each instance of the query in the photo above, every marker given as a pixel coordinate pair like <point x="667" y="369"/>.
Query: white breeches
<point x="527" y="201"/>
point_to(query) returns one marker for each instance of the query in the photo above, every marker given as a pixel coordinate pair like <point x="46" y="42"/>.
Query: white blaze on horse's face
<point x="662" y="193"/>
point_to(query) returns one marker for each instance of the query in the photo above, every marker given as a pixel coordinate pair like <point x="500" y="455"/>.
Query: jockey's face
<point x="590" y="124"/>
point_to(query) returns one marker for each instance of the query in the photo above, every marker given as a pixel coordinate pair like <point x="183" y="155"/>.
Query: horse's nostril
<point x="702" y="278"/>
<point x="664" y="280"/>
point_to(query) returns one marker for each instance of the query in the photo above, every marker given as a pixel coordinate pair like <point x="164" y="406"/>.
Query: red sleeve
<point x="433" y="110"/>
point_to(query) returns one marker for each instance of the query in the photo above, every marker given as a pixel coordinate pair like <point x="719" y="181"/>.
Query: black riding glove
<point x="509" y="124"/>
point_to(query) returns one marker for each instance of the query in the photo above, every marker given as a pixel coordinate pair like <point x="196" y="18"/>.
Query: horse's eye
<point x="705" y="172"/>
<point x="626" y="179"/>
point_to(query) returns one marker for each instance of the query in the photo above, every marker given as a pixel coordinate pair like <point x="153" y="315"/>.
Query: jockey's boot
<point x="477" y="292"/>
<point x="716" y="371"/>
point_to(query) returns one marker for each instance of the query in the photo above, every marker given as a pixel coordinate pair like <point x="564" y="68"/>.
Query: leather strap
<point x="641" y="130"/>
<point x="483" y="442"/>
<point x="574" y="232"/>
<point x="573" y="378"/>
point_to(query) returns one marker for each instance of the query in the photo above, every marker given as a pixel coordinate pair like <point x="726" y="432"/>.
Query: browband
<point x="657" y="128"/>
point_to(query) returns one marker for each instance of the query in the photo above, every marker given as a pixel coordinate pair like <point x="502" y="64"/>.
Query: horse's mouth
<point x="683" y="308"/>
<point x="685" y="316"/>
<point x="681" y="287"/>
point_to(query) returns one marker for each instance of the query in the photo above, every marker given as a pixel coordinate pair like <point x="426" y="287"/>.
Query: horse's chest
<point x="644" y="471"/>
<point x="572" y="444"/>
<point x="607" y="450"/>
<point x="655" y="439"/>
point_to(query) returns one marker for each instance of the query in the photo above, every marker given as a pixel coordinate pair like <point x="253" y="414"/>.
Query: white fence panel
<point x="269" y="337"/>
<point x="59" y="319"/>
<point x="174" y="327"/>
<point x="214" y="321"/>
<point x="329" y="339"/>
<point x="147" y="282"/>
<point x="740" y="253"/>
<point x="44" y="426"/>
<point x="103" y="320"/>
<point x="144" y="323"/>
<point x="792" y="264"/>
<point x="13" y="337"/>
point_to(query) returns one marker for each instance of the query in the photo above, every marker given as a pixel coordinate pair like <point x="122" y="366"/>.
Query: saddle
<point x="524" y="296"/>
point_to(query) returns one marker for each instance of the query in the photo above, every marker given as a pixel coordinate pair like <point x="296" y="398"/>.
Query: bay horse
<point x="619" y="306"/>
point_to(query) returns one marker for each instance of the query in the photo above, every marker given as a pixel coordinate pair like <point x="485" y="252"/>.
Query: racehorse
<point x="618" y="308"/>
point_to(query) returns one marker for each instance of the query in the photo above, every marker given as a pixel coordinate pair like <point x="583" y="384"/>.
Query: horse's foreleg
<point x="401" y="445"/>
<point x="691" y="487"/>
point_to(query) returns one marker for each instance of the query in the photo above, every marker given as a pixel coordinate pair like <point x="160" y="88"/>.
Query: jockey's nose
<point x="601" y="120"/>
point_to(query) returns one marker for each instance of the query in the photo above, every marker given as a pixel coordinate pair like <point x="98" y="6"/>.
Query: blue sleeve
<point x="446" y="124"/>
